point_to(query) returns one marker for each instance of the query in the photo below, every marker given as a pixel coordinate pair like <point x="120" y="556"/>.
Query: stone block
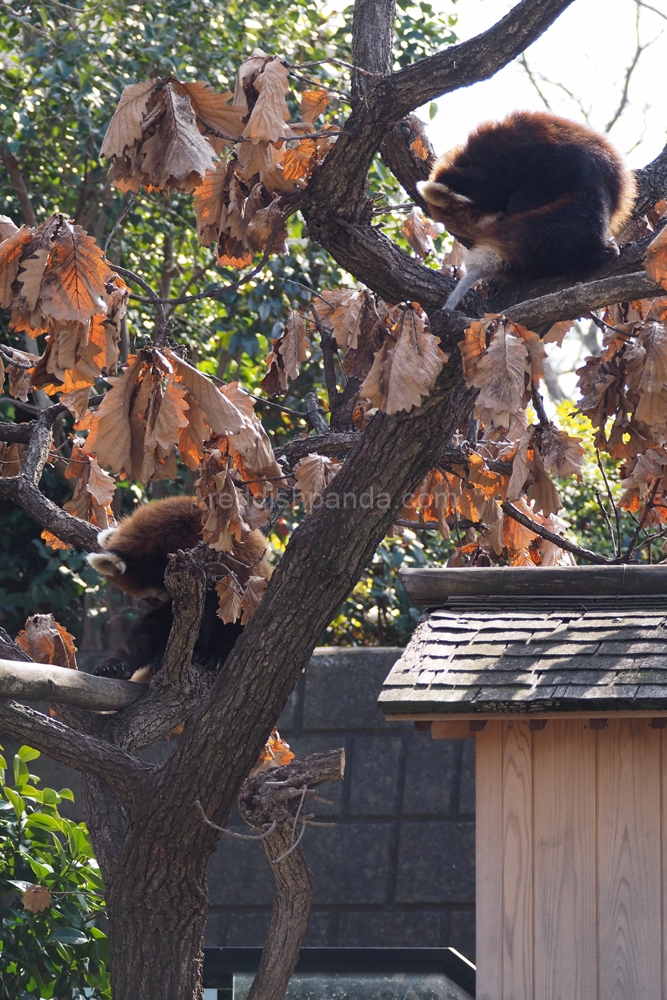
<point x="436" y="862"/>
<point x="342" y="687"/>
<point x="247" y="929"/>
<point x="390" y="929"/>
<point x="239" y="873"/>
<point x="319" y="933"/>
<point x="350" y="862"/>
<point x="467" y="782"/>
<point x="374" y="775"/>
<point x="431" y="776"/>
<point x="462" y="932"/>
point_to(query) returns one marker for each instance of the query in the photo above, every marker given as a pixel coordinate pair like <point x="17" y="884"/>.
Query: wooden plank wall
<point x="571" y="845"/>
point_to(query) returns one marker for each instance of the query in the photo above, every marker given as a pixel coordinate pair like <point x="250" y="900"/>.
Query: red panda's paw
<point x="113" y="668"/>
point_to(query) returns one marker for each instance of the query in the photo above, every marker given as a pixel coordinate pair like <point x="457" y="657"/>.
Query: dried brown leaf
<point x="405" y="372"/>
<point x="313" y="476"/>
<point x="124" y="131"/>
<point x="473" y="347"/>
<point x="110" y="436"/>
<point x="561" y="454"/>
<point x="656" y="259"/>
<point x="293" y="344"/>
<point x="230" y="600"/>
<point x="252" y="596"/>
<point x="11" y="250"/>
<point x="47" y="641"/>
<point x="176" y="156"/>
<point x="313" y="104"/>
<point x="36" y="899"/>
<point x="501" y="377"/>
<point x="74" y="283"/>
<point x="220" y="413"/>
<point x="420" y="232"/>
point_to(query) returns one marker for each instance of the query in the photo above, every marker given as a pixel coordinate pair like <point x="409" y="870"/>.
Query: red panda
<point x="134" y="559"/>
<point x="533" y="196"/>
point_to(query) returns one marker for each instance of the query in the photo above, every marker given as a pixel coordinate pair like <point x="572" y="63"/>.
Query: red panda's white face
<point x="115" y="569"/>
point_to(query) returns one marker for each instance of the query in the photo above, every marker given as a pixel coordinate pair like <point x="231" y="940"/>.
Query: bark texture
<point x="146" y="825"/>
<point x="279" y="798"/>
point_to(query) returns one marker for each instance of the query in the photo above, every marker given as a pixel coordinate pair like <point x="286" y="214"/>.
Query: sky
<point x="585" y="54"/>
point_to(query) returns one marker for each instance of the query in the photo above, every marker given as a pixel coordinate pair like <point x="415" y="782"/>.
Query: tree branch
<point x="551" y="536"/>
<point x="275" y="798"/>
<point x="578" y="300"/>
<point x="16" y="432"/>
<point x="118" y="769"/>
<point x="45" y="682"/>
<point x="651" y="183"/>
<point x="185" y="580"/>
<point x="372" y="44"/>
<point x="13" y="168"/>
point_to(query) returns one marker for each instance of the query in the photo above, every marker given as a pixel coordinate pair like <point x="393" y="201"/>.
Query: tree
<point x="391" y="448"/>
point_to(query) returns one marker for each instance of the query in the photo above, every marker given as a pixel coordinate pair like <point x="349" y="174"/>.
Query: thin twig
<point x="274" y="861"/>
<point x="119" y="221"/>
<point x="617" y="514"/>
<point x="232" y="833"/>
<point x="647" y="507"/>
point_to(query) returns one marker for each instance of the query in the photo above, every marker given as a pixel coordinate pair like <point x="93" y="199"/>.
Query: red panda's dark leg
<point x="144" y="645"/>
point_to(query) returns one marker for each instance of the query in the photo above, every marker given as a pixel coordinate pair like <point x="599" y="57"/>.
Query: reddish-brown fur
<point x="534" y="195"/>
<point x="134" y="558"/>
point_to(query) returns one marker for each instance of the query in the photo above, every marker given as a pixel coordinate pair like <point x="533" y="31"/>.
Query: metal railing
<point x="221" y="964"/>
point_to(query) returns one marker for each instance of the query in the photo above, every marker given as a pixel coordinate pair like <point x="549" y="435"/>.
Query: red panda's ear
<point x="107" y="564"/>
<point x="439" y="194"/>
<point x="434" y="193"/>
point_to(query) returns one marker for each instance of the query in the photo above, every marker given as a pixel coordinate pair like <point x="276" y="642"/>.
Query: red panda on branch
<point x="533" y="196"/>
<point x="134" y="559"/>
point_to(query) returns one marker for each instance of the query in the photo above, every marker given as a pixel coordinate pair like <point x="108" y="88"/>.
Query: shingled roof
<point x="530" y="652"/>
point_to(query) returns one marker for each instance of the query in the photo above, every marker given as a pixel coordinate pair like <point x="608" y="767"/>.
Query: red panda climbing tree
<point x="411" y="377"/>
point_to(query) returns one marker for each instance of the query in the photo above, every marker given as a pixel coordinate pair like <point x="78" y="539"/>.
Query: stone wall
<point x="396" y="868"/>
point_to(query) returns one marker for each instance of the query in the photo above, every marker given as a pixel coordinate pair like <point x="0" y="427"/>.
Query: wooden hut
<point x="560" y="676"/>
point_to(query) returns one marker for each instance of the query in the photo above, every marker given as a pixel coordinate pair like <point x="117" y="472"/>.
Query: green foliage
<point x="64" y="68"/>
<point x="61" y="951"/>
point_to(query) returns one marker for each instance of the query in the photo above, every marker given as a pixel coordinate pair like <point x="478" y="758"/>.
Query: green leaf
<point x="50" y="797"/>
<point x="69" y="935"/>
<point x="44" y="821"/>
<point x="16" y="801"/>
<point x="66" y="793"/>
<point x="27" y="753"/>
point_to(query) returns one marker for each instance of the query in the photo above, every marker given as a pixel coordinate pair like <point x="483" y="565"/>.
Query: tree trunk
<point x="291" y="909"/>
<point x="157" y="912"/>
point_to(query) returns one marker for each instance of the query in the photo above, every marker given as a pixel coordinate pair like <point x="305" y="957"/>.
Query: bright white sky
<point x="586" y="52"/>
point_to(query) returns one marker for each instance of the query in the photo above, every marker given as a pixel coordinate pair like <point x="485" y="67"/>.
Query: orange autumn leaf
<point x="276" y="753"/>
<point x="656" y="259"/>
<point x="52" y="541"/>
<point x="313" y="104"/>
<point x="46" y="641"/>
<point x="473" y="346"/>
<point x="11" y="250"/>
<point x="73" y="287"/>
